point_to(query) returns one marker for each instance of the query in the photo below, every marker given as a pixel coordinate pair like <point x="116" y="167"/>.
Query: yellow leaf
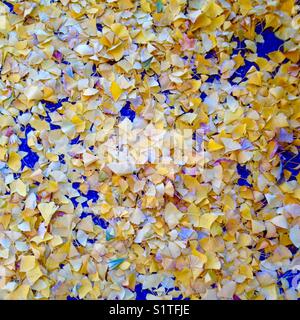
<point x="33" y="93"/>
<point x="212" y="261"/>
<point x="206" y="220"/>
<point x="229" y="203"/>
<point x="214" y="146"/>
<point x="47" y="210"/>
<point x="19" y="187"/>
<point x="257" y="226"/>
<point x="125" y="4"/>
<point x="34" y="274"/>
<point x="20" y="293"/>
<point x="90" y="92"/>
<point x="120" y="30"/>
<point x="172" y="215"/>
<point x="124" y="265"/>
<point x="270" y="292"/>
<point x="245" y="6"/>
<point x="200" y="255"/>
<point x="230" y="145"/>
<point x="232" y="116"/>
<point x="14" y="162"/>
<point x="244" y="240"/>
<point x="276" y="56"/>
<point x="202" y="21"/>
<point x="2" y="153"/>
<point x="255" y="78"/>
<point x="184" y="276"/>
<point x="4" y="24"/>
<point x="85" y="288"/>
<point x="145" y="6"/>
<point x="116" y="91"/>
<point x="246" y="271"/>
<point x="117" y="51"/>
<point x="287" y="6"/>
<point x="280" y="221"/>
<point x="246" y="212"/>
<point x="27" y="263"/>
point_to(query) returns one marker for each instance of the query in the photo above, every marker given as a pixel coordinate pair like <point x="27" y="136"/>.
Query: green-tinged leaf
<point x="110" y="234"/>
<point x="146" y="64"/>
<point x="159" y="6"/>
<point x="113" y="264"/>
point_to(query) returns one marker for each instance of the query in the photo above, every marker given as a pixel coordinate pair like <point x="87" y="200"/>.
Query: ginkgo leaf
<point x="116" y="91"/>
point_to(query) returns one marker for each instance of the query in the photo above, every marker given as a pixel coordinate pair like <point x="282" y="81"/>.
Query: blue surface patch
<point x="75" y="185"/>
<point x="31" y="158"/>
<point x="73" y="298"/>
<point x="281" y="291"/>
<point x="263" y="256"/>
<point x="74" y="201"/>
<point x="99" y="27"/>
<point x="244" y="182"/>
<point x="100" y="222"/>
<point x="76" y="243"/>
<point x="85" y="204"/>
<point x="211" y="54"/>
<point x="126" y="111"/>
<point x="48" y="119"/>
<point x="10" y="6"/>
<point x="293" y="249"/>
<point x="195" y="75"/>
<point x="213" y="77"/>
<point x="54" y="127"/>
<point x="97" y="220"/>
<point x="61" y="158"/>
<point x="166" y="93"/>
<point x="242" y="70"/>
<point x="243" y="171"/>
<point x="92" y="195"/>
<point x="85" y="214"/>
<point x="271" y="42"/>
<point x="75" y="140"/>
<point x="240" y="47"/>
<point x="203" y="95"/>
<point x="290" y="162"/>
<point x="180" y="297"/>
<point x="244" y="174"/>
<point x="95" y="73"/>
<point x="54" y="106"/>
<point x="290" y="276"/>
<point x="141" y="293"/>
<point x="28" y="129"/>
